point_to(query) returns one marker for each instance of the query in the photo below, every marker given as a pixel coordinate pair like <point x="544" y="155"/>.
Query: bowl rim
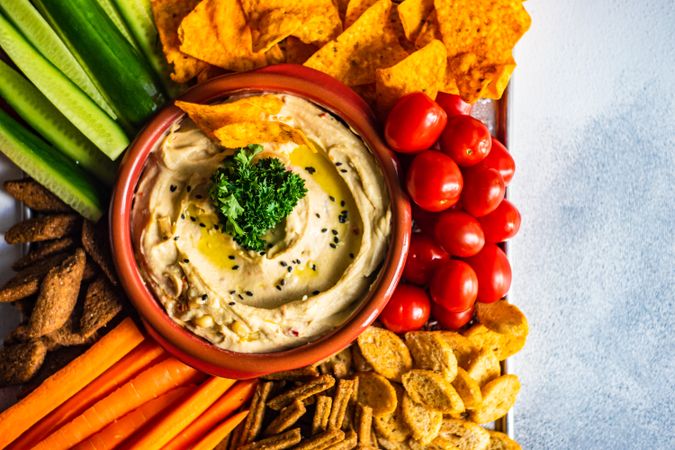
<point x="329" y="94"/>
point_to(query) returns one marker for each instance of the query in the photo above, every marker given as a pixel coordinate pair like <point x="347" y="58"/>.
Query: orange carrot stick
<point x="221" y="409"/>
<point x="119" y="430"/>
<point x="174" y="422"/>
<point x="120" y="373"/>
<point x="149" y="384"/>
<point x="219" y="433"/>
<point x="66" y="382"/>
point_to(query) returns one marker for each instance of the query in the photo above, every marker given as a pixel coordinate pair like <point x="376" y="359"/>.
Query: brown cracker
<point x="58" y="295"/>
<point x="27" y="282"/>
<point x="321" y="413"/>
<point x="386" y="352"/>
<point x="278" y="442"/>
<point x="431" y="389"/>
<point x="377" y="392"/>
<point x="19" y="362"/>
<point x="94" y="240"/>
<point x="339" y="365"/>
<point x="40" y="251"/>
<point x="343" y="393"/>
<point x="42" y="228"/>
<point x="254" y="419"/>
<point x="296" y="374"/>
<point x="287" y="418"/>
<point x="322" y="441"/>
<point x="348" y="443"/>
<point x="364" y="424"/>
<point x="102" y="303"/>
<point x="67" y="336"/>
<point x="35" y="196"/>
<point x="302" y="392"/>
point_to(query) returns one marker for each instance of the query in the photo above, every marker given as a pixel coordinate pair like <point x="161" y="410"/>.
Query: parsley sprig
<point x="251" y="199"/>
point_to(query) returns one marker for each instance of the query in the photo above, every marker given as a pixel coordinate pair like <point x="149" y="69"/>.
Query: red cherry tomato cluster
<point x="457" y="180"/>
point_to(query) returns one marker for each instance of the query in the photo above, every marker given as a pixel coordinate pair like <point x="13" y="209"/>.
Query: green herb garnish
<point x="251" y="199"/>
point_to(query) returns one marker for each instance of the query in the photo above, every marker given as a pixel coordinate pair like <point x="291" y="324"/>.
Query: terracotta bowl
<point x="182" y="343"/>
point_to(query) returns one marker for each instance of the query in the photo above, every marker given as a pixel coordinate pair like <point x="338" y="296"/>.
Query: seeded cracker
<point x="42" y="250"/>
<point x="101" y="304"/>
<point x="430" y="351"/>
<point x="58" y="295"/>
<point x="322" y="441"/>
<point x="463" y="435"/>
<point x="302" y="392"/>
<point x="386" y="352"/>
<point x="431" y="389"/>
<point x="19" y="362"/>
<point x="364" y="424"/>
<point x="35" y="196"/>
<point x="278" y="442"/>
<point x="254" y="419"/>
<point x="424" y="422"/>
<point x="94" y="238"/>
<point x="392" y="426"/>
<point x="339" y="365"/>
<point x="462" y="346"/>
<point x="287" y="418"/>
<point x="484" y="367"/>
<point x="499" y="395"/>
<point x="343" y="394"/>
<point x="42" y="228"/>
<point x="296" y="374"/>
<point x="468" y="389"/>
<point x="321" y="414"/>
<point x="377" y="392"/>
<point x="348" y="443"/>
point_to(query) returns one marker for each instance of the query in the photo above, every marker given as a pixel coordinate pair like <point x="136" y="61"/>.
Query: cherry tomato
<point x="414" y="123"/>
<point x="454" y="285"/>
<point x="483" y="191"/>
<point x="434" y="181"/>
<point x="407" y="310"/>
<point x="466" y="140"/>
<point x="451" y="320"/>
<point x="493" y="271"/>
<point x="459" y="233"/>
<point x="453" y="104"/>
<point x="423" y="257"/>
<point x="501" y="224"/>
<point x="499" y="158"/>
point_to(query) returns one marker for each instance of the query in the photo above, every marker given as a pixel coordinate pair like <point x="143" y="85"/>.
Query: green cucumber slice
<point x="91" y="120"/>
<point x="50" y="168"/>
<point x="117" y="68"/>
<point x="138" y="16"/>
<point x="40" y="114"/>
<point x="37" y="31"/>
<point x="114" y="15"/>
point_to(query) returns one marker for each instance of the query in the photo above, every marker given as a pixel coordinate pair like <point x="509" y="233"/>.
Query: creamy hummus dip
<point x="320" y="262"/>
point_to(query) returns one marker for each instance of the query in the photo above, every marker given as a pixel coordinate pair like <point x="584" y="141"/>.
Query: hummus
<point x="319" y="263"/>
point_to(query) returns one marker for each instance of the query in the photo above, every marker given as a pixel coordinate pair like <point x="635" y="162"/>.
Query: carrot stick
<point x="219" y="433"/>
<point x="221" y="409"/>
<point x="174" y="422"/>
<point x="66" y="382"/>
<point x="120" y="373"/>
<point x="149" y="384"/>
<point x="119" y="430"/>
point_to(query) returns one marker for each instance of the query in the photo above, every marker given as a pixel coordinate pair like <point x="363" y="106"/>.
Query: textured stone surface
<point x="594" y="265"/>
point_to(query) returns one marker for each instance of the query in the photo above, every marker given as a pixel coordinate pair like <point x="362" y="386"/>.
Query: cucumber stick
<point x="50" y="168"/>
<point x="138" y="16"/>
<point x="38" y="32"/>
<point x="91" y="120"/>
<point x="116" y="18"/>
<point x="40" y="114"/>
<point x="117" y="68"/>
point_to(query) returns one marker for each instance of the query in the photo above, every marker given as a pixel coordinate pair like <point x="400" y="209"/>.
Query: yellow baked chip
<point x="430" y="351"/>
<point x="385" y="351"/>
<point x="246" y="109"/>
<point x="464" y="349"/>
<point x="502" y="317"/>
<point x="485" y="338"/>
<point x="428" y="31"/>
<point x="463" y="435"/>
<point x="424" y="422"/>
<point x="216" y="32"/>
<point x="432" y="390"/>
<point x="484" y="366"/>
<point x="480" y="37"/>
<point x="376" y="392"/>
<point x="240" y="134"/>
<point x="501" y="441"/>
<point x="367" y="45"/>
<point x="413" y="14"/>
<point x="499" y="395"/>
<point x="168" y="15"/>
<point x="313" y="21"/>
<point x="392" y="426"/>
<point x="467" y="388"/>
<point x="355" y="8"/>
<point x="423" y="70"/>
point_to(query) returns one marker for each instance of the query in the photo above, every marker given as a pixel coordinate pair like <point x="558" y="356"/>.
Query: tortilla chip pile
<point x="65" y="285"/>
<point x="429" y="389"/>
<point x="381" y="49"/>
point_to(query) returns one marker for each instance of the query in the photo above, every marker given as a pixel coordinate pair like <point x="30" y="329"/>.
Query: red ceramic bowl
<point x="192" y="349"/>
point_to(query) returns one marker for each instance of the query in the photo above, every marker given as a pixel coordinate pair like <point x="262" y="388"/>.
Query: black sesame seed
<point x="278" y="287"/>
<point x="311" y="170"/>
<point x="199" y="196"/>
<point x="262" y="253"/>
<point x="283" y="263"/>
<point x="344" y="211"/>
<point x="201" y="224"/>
<point x="314" y="267"/>
<point x="318" y="216"/>
<point x="205" y="296"/>
<point x="231" y="257"/>
<point x="333" y="245"/>
<point x="282" y="282"/>
<point x="344" y="170"/>
<point x="232" y="303"/>
<point x="323" y="230"/>
<point x="241" y="297"/>
<point x="334" y="231"/>
<point x="173" y="188"/>
<point x="235" y="267"/>
<point x="249" y="293"/>
<point x="175" y="238"/>
<point x="194" y="219"/>
<point x="290" y="269"/>
<point x="233" y="292"/>
<point x="342" y="203"/>
<point x="188" y="188"/>
<point x="182" y="216"/>
<point x="315" y="292"/>
<point x="338" y="163"/>
<point x="216" y="227"/>
<point x="351" y="255"/>
<point x="336" y="239"/>
<point x="332" y="199"/>
<point x="186" y="260"/>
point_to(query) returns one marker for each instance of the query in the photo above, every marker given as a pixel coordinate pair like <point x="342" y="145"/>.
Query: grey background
<point x="594" y="139"/>
<point x="593" y="134"/>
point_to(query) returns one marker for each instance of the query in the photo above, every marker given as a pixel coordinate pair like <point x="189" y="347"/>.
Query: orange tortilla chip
<point x="241" y="134"/>
<point x="413" y="14"/>
<point x="216" y="32"/>
<point x="480" y="37"/>
<point x="369" y="44"/>
<point x="355" y="8"/>
<point x="312" y="21"/>
<point x="168" y="15"/>
<point x="424" y="70"/>
<point x="342" y="8"/>
<point x="248" y="109"/>
<point x="297" y="52"/>
<point x="429" y="31"/>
